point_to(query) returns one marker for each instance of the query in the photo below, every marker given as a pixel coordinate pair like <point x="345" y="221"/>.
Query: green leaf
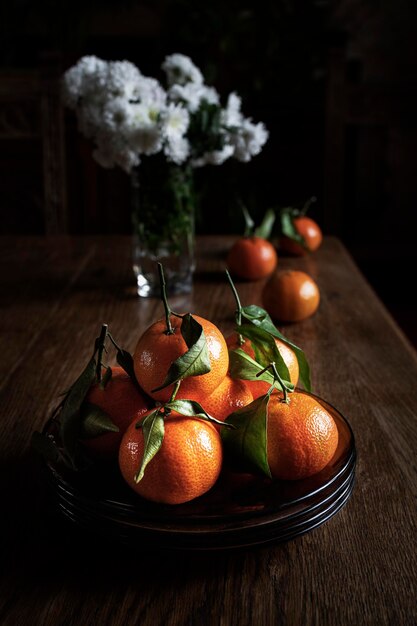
<point x="260" y="318"/>
<point x="248" y="440"/>
<point x="249" y="223"/>
<point x="125" y="360"/>
<point x="70" y="416"/>
<point x="195" y="361"/>
<point x="46" y="447"/>
<point x="153" y="428"/>
<point x="242" y="366"/>
<point x="266" y="350"/>
<point x="287" y="226"/>
<point x="264" y="229"/>
<point x="191" y="408"/>
<point x="95" y="421"/>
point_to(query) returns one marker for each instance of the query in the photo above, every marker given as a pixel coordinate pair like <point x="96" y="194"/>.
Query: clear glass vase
<point x="163" y="227"/>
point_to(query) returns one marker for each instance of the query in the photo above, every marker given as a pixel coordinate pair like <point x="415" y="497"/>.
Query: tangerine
<point x="156" y="350"/>
<point x="185" y="467"/>
<point x="291" y="296"/>
<point x="302" y="436"/>
<point x="123" y="402"/>
<point x="311" y="233"/>
<point x="259" y="387"/>
<point x="252" y="258"/>
<point x="230" y="395"/>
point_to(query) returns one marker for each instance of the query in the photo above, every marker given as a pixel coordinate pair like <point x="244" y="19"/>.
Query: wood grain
<point x="358" y="568"/>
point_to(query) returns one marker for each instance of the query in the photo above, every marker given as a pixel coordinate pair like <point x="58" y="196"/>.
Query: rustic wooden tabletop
<point x="357" y="568"/>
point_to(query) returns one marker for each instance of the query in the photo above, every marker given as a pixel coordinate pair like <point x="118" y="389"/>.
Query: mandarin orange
<point x="185" y="467"/>
<point x="230" y="395"/>
<point x="156" y="350"/>
<point x="311" y="233"/>
<point x="302" y="436"/>
<point x="290" y="296"/>
<point x="252" y="258"/>
<point x="123" y="402"/>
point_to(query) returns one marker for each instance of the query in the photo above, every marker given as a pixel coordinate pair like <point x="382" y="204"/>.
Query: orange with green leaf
<point x="96" y="409"/>
<point x="300" y="234"/>
<point x="180" y="347"/>
<point x="257" y="338"/>
<point x="253" y="257"/>
<point x="286" y="435"/>
<point x="115" y="401"/>
<point x="171" y="457"/>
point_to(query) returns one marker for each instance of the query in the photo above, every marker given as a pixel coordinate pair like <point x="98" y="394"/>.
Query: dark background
<point x="334" y="82"/>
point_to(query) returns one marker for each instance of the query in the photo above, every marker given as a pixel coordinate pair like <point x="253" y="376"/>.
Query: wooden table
<point x="358" y="568"/>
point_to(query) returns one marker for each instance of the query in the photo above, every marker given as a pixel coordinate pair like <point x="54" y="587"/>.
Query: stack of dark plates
<point x="240" y="510"/>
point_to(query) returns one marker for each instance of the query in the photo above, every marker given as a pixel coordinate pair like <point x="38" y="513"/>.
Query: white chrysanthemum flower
<point x="176" y="120"/>
<point x="191" y="95"/>
<point x="143" y="114"/>
<point x="83" y="78"/>
<point x="117" y="115"/>
<point x="128" y="114"/>
<point x="149" y="91"/>
<point x="177" y="149"/>
<point x="145" y="137"/>
<point x="188" y="95"/>
<point x="181" y="70"/>
<point x="215" y="157"/>
<point x="248" y="140"/>
<point x="123" y="79"/>
<point x="231" y="116"/>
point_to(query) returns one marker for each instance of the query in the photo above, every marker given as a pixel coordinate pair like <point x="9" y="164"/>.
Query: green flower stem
<point x="169" y="330"/>
<point x="238" y="314"/>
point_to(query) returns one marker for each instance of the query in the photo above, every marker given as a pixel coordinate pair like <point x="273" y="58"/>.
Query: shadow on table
<point x="41" y="551"/>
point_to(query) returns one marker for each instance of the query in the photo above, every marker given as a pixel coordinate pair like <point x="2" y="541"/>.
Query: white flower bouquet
<point x="128" y="115"/>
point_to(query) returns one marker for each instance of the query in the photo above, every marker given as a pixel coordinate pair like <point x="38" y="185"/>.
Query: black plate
<point x="240" y="510"/>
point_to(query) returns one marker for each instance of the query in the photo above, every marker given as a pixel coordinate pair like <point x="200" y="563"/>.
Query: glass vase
<point x="163" y="227"/>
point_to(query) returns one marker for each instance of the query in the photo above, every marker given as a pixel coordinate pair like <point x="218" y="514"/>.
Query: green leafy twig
<point x="286" y="388"/>
<point x="287" y="216"/>
<point x="264" y="229"/>
<point x="254" y="323"/>
<point x="249" y="441"/>
<point x="258" y="317"/>
<point x="77" y="419"/>
<point x="245" y="367"/>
